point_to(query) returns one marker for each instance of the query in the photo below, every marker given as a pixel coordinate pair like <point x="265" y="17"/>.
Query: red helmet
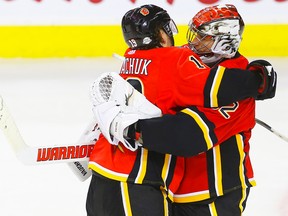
<point x="217" y="13"/>
<point x="223" y="24"/>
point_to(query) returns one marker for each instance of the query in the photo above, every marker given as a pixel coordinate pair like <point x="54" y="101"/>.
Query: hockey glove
<point x="110" y="87"/>
<point x="104" y="114"/>
<point x="138" y="108"/>
<point x="269" y="78"/>
<point x="108" y="93"/>
<point x="123" y="129"/>
<point x="110" y="96"/>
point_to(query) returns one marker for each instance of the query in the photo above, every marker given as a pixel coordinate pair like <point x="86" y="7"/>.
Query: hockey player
<point x="218" y="172"/>
<point x="171" y="78"/>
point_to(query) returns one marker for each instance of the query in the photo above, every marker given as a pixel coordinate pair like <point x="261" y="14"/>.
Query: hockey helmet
<point x="223" y="24"/>
<point x="140" y="26"/>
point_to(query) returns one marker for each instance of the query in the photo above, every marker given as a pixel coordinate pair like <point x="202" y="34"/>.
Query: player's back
<point x="166" y="76"/>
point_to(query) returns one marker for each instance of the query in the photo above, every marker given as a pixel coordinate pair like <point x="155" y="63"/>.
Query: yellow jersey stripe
<point x="202" y="125"/>
<point x="107" y="173"/>
<point x="190" y="197"/>
<point x="216" y="85"/>
<point x="126" y="199"/>
<point x="212" y="209"/>
<point x="165" y="202"/>
<point x="165" y="169"/>
<point x="218" y="170"/>
<point x="143" y="166"/>
<point x="240" y="144"/>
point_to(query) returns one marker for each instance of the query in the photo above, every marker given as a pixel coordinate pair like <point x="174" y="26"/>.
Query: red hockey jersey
<point x="215" y="143"/>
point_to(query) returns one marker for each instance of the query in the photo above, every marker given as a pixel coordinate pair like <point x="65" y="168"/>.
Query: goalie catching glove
<point x="269" y="78"/>
<point x="117" y="105"/>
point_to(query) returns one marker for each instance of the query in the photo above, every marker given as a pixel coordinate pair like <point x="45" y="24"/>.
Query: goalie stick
<point x="119" y="57"/>
<point x="268" y="127"/>
<point x="75" y="154"/>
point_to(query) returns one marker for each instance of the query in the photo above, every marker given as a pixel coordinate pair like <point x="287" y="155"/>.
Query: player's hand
<point x="269" y="78"/>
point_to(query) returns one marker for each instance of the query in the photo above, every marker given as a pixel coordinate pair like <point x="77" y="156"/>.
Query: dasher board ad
<point x="110" y="12"/>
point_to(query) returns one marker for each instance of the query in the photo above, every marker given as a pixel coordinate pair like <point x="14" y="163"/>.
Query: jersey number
<point x="196" y="62"/>
<point x="225" y="110"/>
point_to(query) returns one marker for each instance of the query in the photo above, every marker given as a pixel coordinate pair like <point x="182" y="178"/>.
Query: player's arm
<point x="227" y="85"/>
<point x="195" y="129"/>
<point x="220" y="86"/>
<point x="186" y="133"/>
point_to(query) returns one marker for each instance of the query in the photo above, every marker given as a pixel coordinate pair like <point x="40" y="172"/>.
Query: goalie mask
<point x="141" y="26"/>
<point x="215" y="33"/>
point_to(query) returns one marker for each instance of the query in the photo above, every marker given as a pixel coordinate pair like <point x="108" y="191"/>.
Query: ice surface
<point x="49" y="100"/>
